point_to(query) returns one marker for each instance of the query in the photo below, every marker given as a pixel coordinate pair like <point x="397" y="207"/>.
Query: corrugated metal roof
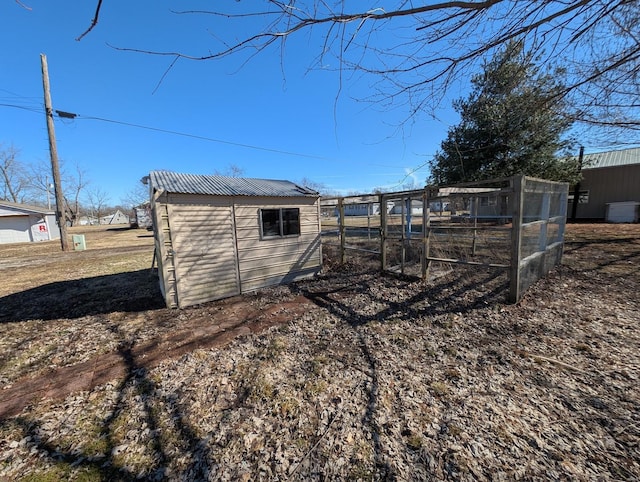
<point x="622" y="157"/>
<point x="225" y="186"/>
<point x="26" y="208"/>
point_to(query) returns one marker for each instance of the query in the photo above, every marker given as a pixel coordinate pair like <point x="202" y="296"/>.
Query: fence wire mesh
<point x="428" y="232"/>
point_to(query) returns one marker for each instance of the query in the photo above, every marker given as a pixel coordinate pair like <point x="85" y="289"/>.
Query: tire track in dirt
<point x="233" y="321"/>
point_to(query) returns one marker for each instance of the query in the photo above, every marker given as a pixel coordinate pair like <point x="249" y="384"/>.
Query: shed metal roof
<point x="621" y="157"/>
<point x="225" y="186"/>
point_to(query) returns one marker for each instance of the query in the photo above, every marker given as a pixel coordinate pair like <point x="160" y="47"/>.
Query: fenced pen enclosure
<point x="515" y="224"/>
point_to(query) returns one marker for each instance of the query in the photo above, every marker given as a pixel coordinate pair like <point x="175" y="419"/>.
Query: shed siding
<point x="608" y="185"/>
<point x="164" y="251"/>
<point x="22" y="223"/>
<point x="204" y="245"/>
<point x="52" y="224"/>
<point x="209" y="247"/>
<point x="14" y="229"/>
<point x="265" y="262"/>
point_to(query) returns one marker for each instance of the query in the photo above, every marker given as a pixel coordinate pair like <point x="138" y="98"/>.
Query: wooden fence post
<point x="425" y="230"/>
<point x="544" y="216"/>
<point x="403" y="235"/>
<point x="369" y="213"/>
<point x="383" y="232"/>
<point x="518" y="183"/>
<point x="342" y="230"/>
<point x="475" y="201"/>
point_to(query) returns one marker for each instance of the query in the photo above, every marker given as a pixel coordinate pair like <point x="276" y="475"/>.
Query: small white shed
<point x="623" y="212"/>
<point x="218" y="236"/>
<point x="21" y="223"/>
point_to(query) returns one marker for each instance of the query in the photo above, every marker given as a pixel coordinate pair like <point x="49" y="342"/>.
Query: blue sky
<point x="340" y="141"/>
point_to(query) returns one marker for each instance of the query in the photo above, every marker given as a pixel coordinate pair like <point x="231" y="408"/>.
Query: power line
<point x="38" y="110"/>
<point x="17" y="96"/>
<point x="69" y="115"/>
<point x="195" y="136"/>
<point x="64" y="115"/>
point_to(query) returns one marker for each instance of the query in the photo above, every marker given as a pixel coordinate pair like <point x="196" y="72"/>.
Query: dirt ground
<point x="352" y="375"/>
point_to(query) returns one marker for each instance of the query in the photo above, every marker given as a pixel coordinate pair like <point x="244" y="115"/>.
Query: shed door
<point x="14" y="229"/>
<point x="204" y="246"/>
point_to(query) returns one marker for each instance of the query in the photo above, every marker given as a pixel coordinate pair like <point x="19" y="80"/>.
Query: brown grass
<point x="110" y="250"/>
<point x="378" y="378"/>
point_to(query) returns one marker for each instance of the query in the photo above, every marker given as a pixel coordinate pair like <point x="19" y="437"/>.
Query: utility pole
<point x="53" y="150"/>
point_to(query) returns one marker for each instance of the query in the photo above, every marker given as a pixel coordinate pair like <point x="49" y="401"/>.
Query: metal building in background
<point x="607" y="177"/>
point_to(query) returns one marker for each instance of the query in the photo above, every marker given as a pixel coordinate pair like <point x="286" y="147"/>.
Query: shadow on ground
<point x="469" y="289"/>
<point x="132" y="291"/>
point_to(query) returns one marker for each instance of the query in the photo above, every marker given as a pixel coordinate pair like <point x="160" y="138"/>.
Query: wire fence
<point x="515" y="225"/>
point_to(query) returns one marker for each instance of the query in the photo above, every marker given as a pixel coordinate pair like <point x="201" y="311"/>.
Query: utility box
<point x="79" y="242"/>
<point x="623" y="212"/>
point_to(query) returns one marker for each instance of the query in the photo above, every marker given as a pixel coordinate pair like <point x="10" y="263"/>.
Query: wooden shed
<point x="218" y="236"/>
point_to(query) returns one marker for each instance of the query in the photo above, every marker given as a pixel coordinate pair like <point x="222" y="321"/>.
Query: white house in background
<point x="21" y="223"/>
<point x="116" y="218"/>
<point x="87" y="220"/>
<point x="400" y="207"/>
<point x="369" y="209"/>
<point x="439" y="206"/>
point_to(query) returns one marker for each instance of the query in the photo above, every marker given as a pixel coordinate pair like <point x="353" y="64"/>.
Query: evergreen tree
<point x="513" y="122"/>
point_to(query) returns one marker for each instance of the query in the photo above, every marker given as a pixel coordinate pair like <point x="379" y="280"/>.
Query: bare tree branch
<point x="94" y="22"/>
<point x="417" y="52"/>
<point x="26" y="7"/>
<point x="76" y="183"/>
<point x="15" y="183"/>
<point x="97" y="200"/>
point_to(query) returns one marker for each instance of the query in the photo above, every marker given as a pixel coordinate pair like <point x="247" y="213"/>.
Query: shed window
<point x="488" y="201"/>
<point x="280" y="222"/>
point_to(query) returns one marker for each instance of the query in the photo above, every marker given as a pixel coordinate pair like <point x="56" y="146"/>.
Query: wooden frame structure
<point x="526" y="215"/>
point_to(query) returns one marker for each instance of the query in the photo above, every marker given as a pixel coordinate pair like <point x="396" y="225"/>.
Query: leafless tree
<point x="41" y="181"/>
<point x="415" y="51"/>
<point x="380" y="190"/>
<point x="232" y="170"/>
<point x="96" y="201"/>
<point x="75" y="184"/>
<point x="314" y="185"/>
<point x="14" y="181"/>
<point x="137" y="195"/>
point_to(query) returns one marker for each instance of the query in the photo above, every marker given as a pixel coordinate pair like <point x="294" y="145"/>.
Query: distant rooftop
<point x="26" y="207"/>
<point x="622" y="157"/>
<point x="225" y="186"/>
